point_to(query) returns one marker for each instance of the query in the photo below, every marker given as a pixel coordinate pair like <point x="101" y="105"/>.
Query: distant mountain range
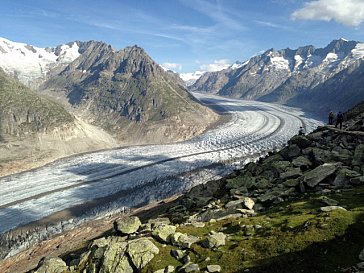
<point x="316" y="79"/>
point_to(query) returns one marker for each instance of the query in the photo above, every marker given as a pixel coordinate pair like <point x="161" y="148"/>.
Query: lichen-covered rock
<point x="141" y="252"/>
<point x="189" y="268"/>
<point x="301" y="161"/>
<point x="127" y="225"/>
<point x="356" y="181"/>
<point x="281" y="166"/>
<point x="163" y="232"/>
<point x="177" y="254"/>
<point x="183" y="240"/>
<point x="115" y="259"/>
<point x="214" y="239"/>
<point x="291" y="173"/>
<point x="331" y="208"/>
<point x="358" y="158"/>
<point x="301" y="141"/>
<point x="213" y="268"/>
<point x="315" y="176"/>
<point x="51" y="265"/>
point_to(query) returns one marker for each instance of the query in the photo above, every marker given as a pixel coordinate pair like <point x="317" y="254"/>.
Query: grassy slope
<point x="18" y="101"/>
<point x="294" y="237"/>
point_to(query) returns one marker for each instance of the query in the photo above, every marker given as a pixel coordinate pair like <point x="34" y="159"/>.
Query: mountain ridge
<point x="280" y="75"/>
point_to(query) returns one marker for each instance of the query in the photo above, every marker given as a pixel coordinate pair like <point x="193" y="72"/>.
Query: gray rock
<point x="361" y="255"/>
<point x="315" y="176"/>
<point x="177" y="253"/>
<point x="52" y="265"/>
<point x="115" y="259"/>
<point x="127" y="225"/>
<point x="322" y="156"/>
<point x="169" y="269"/>
<point x="183" y="240"/>
<point x="356" y="181"/>
<point x="301" y="161"/>
<point x="189" y="268"/>
<point x="358" y="158"/>
<point x="291" y="183"/>
<point x="291" y="173"/>
<point x="248" y="203"/>
<point x="213" y="268"/>
<point x="159" y="221"/>
<point x="162" y="232"/>
<point x="281" y="166"/>
<point x="215" y="239"/>
<point x="301" y="141"/>
<point x="141" y="252"/>
<point x="331" y="208"/>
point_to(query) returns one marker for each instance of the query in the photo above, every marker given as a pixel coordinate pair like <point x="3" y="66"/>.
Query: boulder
<point x="281" y="166"/>
<point x="301" y="161"/>
<point x="343" y="175"/>
<point x="246" y="201"/>
<point x="163" y="232"/>
<point x="127" y="225"/>
<point x="356" y="181"/>
<point x="290" y="152"/>
<point x="214" y="239"/>
<point x="141" y="252"/>
<point x="177" y="254"/>
<point x="115" y="259"/>
<point x="183" y="240"/>
<point x="358" y="159"/>
<point x="213" y="268"/>
<point x="291" y="173"/>
<point x="291" y="183"/>
<point x="322" y="156"/>
<point x="315" y="176"/>
<point x="189" y="268"/>
<point x="361" y="255"/>
<point x="301" y="141"/>
<point x="52" y="265"/>
<point x="331" y="208"/>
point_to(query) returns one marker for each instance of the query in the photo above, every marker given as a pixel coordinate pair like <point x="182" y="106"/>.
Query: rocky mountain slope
<point x="30" y="64"/>
<point x="297" y="77"/>
<point x="34" y="128"/>
<point x="126" y="91"/>
<point x="303" y="204"/>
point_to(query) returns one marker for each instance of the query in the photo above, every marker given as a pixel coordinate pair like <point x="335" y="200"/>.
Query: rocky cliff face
<point x="35" y="130"/>
<point x="127" y="89"/>
<point x="296" y="77"/>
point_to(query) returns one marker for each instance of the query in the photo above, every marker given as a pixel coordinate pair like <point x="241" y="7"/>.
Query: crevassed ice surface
<point x="253" y="128"/>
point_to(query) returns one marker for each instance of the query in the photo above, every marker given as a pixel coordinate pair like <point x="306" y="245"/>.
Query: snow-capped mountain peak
<point x="191" y="78"/>
<point x="31" y="64"/>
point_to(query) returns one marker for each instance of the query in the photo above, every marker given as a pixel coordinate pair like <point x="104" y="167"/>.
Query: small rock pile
<point x="132" y="247"/>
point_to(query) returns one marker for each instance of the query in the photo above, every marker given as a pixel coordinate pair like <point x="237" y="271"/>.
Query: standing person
<point x="301" y="131"/>
<point x="331" y="118"/>
<point x="339" y="120"/>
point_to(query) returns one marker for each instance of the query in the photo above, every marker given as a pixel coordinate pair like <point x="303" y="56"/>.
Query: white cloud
<point x="217" y="65"/>
<point x="347" y="12"/>
<point x="171" y="66"/>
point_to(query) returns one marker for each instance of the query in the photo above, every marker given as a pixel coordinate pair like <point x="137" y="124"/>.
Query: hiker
<point x="301" y="131"/>
<point x="331" y="118"/>
<point x="339" y="120"/>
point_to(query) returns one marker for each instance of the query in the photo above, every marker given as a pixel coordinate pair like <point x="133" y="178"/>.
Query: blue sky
<point x="185" y="35"/>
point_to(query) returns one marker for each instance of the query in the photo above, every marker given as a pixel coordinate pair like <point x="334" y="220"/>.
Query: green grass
<point x="294" y="237"/>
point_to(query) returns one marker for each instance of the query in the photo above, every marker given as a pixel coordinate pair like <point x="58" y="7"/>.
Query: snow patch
<point x="29" y="63"/>
<point x="358" y="51"/>
<point x="279" y="62"/>
<point x="191" y="78"/>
